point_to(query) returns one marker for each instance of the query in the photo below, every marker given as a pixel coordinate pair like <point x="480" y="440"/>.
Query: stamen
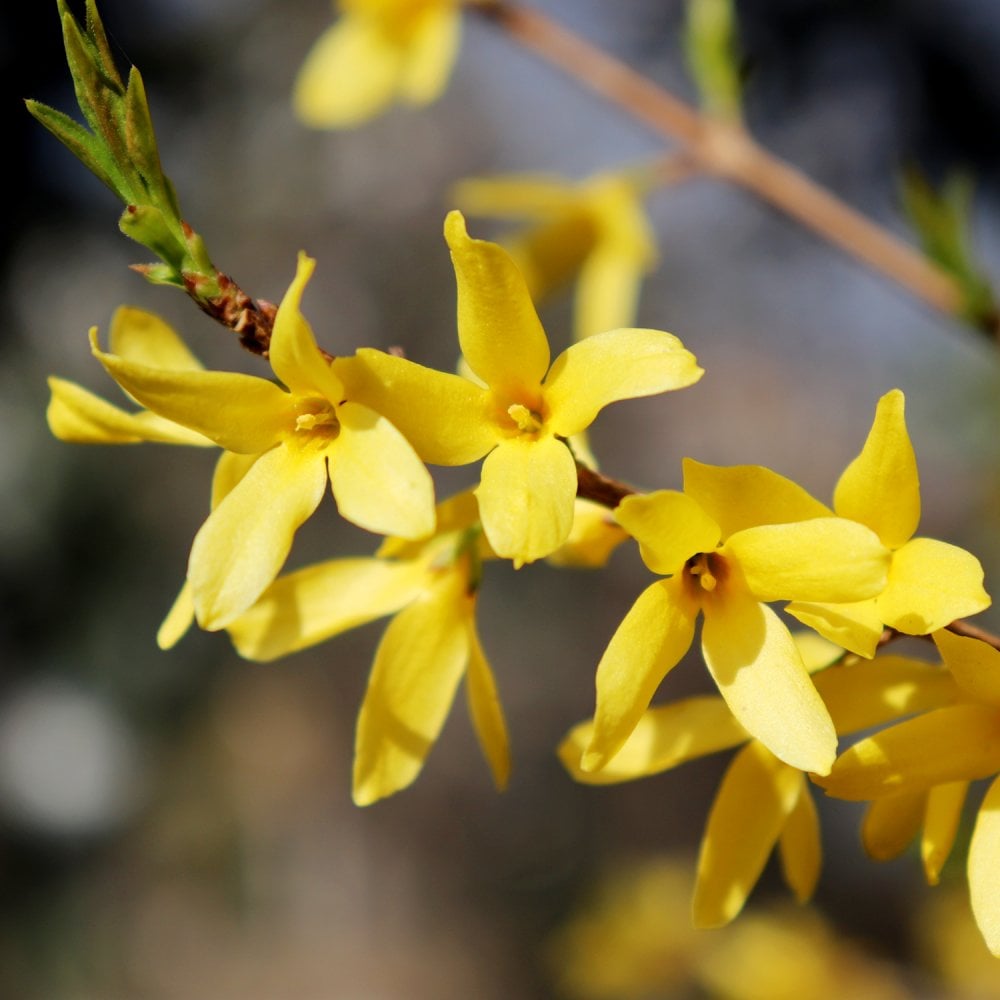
<point x="528" y="422"/>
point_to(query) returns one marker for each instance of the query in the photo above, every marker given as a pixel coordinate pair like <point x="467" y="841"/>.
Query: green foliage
<point x="710" y="46"/>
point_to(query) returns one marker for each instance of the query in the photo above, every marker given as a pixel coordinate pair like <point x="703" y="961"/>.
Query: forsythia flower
<point x="733" y="540"/>
<point x="431" y="643"/>
<point x="377" y="52"/>
<point x="931" y="583"/>
<point x="918" y="773"/>
<point x="761" y="801"/>
<point x="595" y="230"/>
<point x="304" y="435"/>
<point x="523" y="409"/>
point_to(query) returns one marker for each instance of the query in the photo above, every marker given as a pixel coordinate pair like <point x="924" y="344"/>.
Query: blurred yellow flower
<point x="377" y="52"/>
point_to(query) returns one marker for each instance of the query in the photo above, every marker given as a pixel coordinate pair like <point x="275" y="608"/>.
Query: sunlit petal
<point x="799" y="846"/>
<point x="974" y="665"/>
<point x="984" y="872"/>
<point x="856" y="626"/>
<point x="670" y="528"/>
<point x="143" y="337"/>
<point x="891" y="823"/>
<point x="229" y="470"/>
<point x="941" y="822"/>
<point x="485" y="709"/>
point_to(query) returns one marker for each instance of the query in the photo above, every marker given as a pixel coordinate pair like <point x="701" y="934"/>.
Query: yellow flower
<point x="917" y="773"/>
<point x="930" y="583"/>
<point x="521" y="410"/>
<point x="595" y="231"/>
<point x="377" y="52"/>
<point x="733" y="540"/>
<point x="761" y="802"/>
<point x="430" y="587"/>
<point x="377" y="480"/>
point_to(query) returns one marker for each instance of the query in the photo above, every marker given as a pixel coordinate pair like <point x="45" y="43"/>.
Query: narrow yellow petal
<point x="880" y="488"/>
<point x="955" y="743"/>
<point x="618" y="364"/>
<point x="670" y="528"/>
<point x="743" y="496"/>
<point x="974" y="665"/>
<point x="311" y="605"/>
<point x="856" y="626"/>
<point x="179" y="619"/>
<point x="143" y="337"/>
<point x="431" y="54"/>
<point x="417" y="668"/>
<point x="664" y="737"/>
<point x="984" y="871"/>
<point x="941" y="822"/>
<point x="514" y="196"/>
<point x="485" y="708"/>
<point x="799" y="846"/>
<point x="752" y="805"/>
<point x="757" y="667"/>
<point x="931" y="583"/>
<point x="229" y="470"/>
<point x="526" y="497"/>
<point x="891" y="823"/>
<point x="823" y="559"/>
<point x="607" y="291"/>
<point x="650" y="641"/>
<point x="378" y="481"/>
<point x="241" y="547"/>
<point x="498" y="329"/>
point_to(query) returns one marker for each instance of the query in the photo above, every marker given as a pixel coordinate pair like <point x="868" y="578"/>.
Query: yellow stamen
<point x="527" y="421"/>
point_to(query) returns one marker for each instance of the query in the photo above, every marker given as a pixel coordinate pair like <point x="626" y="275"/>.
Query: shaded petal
<point x="799" y="846"/>
<point x="431" y="54"/>
<point x="445" y="417"/>
<point x="526" y="497"/>
<point x="941" y="822"/>
<point x="143" y="337"/>
<point x="179" y="619"/>
<point x="618" y="364"/>
<point x="78" y="416"/>
<point x="485" y="709"/>
<point x="241" y="547"/>
<point x="759" y="672"/>
<point x="313" y="604"/>
<point x="229" y="470"/>
<point x="239" y="412"/>
<point x="823" y="559"/>
<point x="594" y="536"/>
<point x="607" y="291"/>
<point x="856" y="626"/>
<point x="931" y="583"/>
<point x="650" y="641"/>
<point x="880" y="487"/>
<point x="974" y="665"/>
<point x="378" y="481"/>
<point x="890" y="824"/>
<point x="984" y="871"/>
<point x="459" y="513"/>
<point x="956" y="743"/>
<point x="670" y="528"/>
<point x="664" y="736"/>
<point x="417" y="668"/>
<point x="294" y="355"/>
<point x="757" y="794"/>
<point x="743" y="496"/>
<point x="498" y="329"/>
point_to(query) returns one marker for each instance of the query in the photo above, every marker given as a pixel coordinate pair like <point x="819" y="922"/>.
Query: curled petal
<point x="974" y="665"/>
<point x="984" y="872"/>
<point x="618" y="364"/>
<point x="941" y="821"/>
<point x="891" y="823"/>
<point x="485" y="709"/>
<point x="799" y="846"/>
<point x="594" y="536"/>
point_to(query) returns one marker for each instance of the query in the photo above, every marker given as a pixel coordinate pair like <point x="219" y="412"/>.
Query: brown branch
<point x="591" y="485"/>
<point x="727" y="151"/>
<point x="960" y="627"/>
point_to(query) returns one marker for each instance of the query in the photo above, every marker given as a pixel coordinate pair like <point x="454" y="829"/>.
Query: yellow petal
<point x="856" y="626"/>
<point x="311" y="605"/>
<point x="498" y="328"/>
<point x="817" y="653"/>
<point x="514" y="196"/>
<point x="349" y="76"/>
<point x="759" y="672"/>
<point x="941" y="822"/>
<point x="984" y="872"/>
<point x="431" y="54"/>
<point x="664" y="736"/>
<point x="880" y="487"/>
<point x="594" y="536"/>
<point x="823" y="559"/>
<point x="239" y="412"/>
<point x="799" y="846"/>
<point x="618" y="364"/>
<point x="459" y="513"/>
<point x="891" y="823"/>
<point x="140" y="336"/>
<point x="650" y="641"/>
<point x="485" y="709"/>
<point x="956" y="743"/>
<point x="78" y="416"/>
<point x="607" y="291"/>
<point x="743" y="496"/>
<point x="445" y="417"/>
<point x="417" y="668"/>
<point x="974" y="665"/>
<point x="229" y="470"/>
<point x="294" y="354"/>
<point x="179" y="619"/>
<point x="670" y="528"/>
<point x="378" y="481"/>
<point x="757" y="794"/>
<point x="931" y="583"/>
<point x="526" y="497"/>
<point x="241" y="547"/>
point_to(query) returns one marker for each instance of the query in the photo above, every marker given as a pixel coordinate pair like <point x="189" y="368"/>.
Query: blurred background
<point x="179" y="825"/>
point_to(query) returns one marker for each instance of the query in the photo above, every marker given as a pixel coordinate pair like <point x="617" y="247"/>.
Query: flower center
<point x="317" y="417"/>
<point x="527" y="421"/>
<point x="706" y="569"/>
